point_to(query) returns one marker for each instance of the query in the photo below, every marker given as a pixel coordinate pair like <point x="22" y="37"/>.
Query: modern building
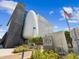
<point x="75" y="39"/>
<point x="14" y="34"/>
<point x="24" y="24"/>
<point x="36" y="25"/>
<point x="44" y="28"/>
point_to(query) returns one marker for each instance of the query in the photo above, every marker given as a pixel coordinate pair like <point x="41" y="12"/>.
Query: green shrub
<point x="51" y="55"/>
<point x="21" y="49"/>
<point x="71" y="56"/>
<point x="36" y="40"/>
<point x="37" y="54"/>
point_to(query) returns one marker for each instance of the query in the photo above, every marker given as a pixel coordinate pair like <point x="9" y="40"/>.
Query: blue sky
<point x="52" y="10"/>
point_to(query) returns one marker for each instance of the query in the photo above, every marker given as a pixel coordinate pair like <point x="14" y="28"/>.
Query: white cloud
<point x="51" y="12"/>
<point x="61" y="19"/>
<point x="76" y="15"/>
<point x="68" y="9"/>
<point x="2" y="32"/>
<point x="55" y="27"/>
<point x="5" y="0"/>
<point x="67" y="29"/>
<point x="7" y="6"/>
<point x="74" y="12"/>
<point x="70" y="21"/>
<point x="62" y="13"/>
<point x="73" y="21"/>
<point x="76" y="8"/>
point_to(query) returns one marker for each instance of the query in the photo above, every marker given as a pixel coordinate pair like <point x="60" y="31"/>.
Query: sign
<point x="47" y="41"/>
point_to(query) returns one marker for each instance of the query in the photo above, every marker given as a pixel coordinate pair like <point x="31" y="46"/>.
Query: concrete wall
<point x="44" y="27"/>
<point x="14" y="33"/>
<point x="31" y="25"/>
<point x="48" y="42"/>
<point x="75" y="39"/>
<point x="56" y="40"/>
<point x="60" y="40"/>
<point x="36" y="25"/>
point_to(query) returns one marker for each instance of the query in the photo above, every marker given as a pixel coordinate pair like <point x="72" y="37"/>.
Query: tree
<point x="36" y="40"/>
<point x="68" y="38"/>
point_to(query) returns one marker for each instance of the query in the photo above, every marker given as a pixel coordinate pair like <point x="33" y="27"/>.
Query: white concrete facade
<point x="75" y="39"/>
<point x="56" y="40"/>
<point x="44" y="27"/>
<point x="60" y="40"/>
<point x="35" y="25"/>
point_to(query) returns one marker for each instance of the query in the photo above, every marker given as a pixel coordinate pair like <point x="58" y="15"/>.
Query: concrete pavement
<point x="7" y="54"/>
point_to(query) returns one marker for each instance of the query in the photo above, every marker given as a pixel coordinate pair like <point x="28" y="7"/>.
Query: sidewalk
<point x="5" y="52"/>
<point x="15" y="56"/>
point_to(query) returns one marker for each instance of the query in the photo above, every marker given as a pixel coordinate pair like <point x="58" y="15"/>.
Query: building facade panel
<point x="60" y="40"/>
<point x="43" y="26"/>
<point x="14" y="37"/>
<point x="56" y="40"/>
<point x="36" y="25"/>
<point x="75" y="39"/>
<point x="30" y="26"/>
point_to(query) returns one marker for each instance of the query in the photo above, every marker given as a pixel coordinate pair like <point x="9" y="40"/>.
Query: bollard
<point x="22" y="57"/>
